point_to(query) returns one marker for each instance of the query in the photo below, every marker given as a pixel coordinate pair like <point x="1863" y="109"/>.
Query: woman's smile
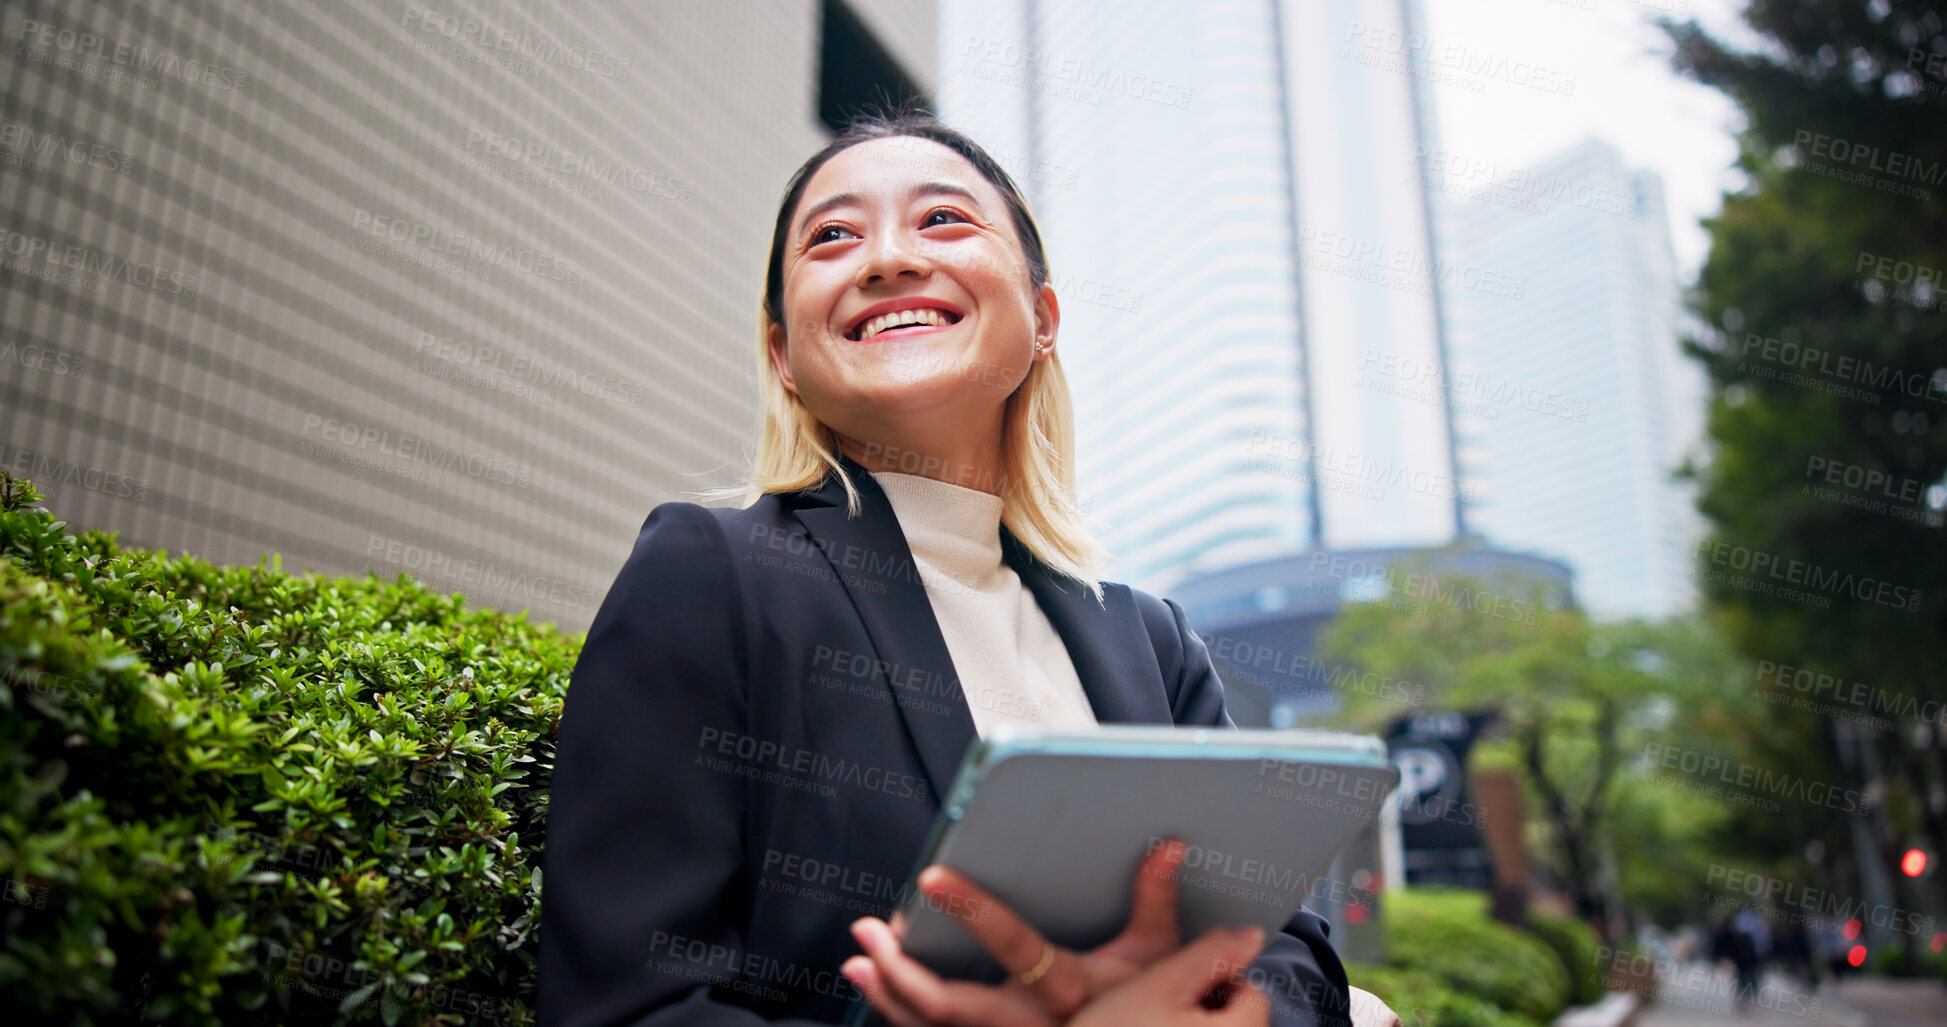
<point x="899" y="318"/>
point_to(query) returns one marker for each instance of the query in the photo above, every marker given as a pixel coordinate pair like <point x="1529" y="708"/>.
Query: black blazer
<point x="753" y="745"/>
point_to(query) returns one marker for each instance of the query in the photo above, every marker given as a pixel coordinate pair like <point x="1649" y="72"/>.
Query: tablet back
<point x="1057" y="831"/>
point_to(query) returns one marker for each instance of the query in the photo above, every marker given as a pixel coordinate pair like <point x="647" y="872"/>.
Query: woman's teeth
<point x="902" y="319"/>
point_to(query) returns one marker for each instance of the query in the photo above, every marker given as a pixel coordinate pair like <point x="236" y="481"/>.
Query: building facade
<point x="457" y="291"/>
<point x="1574" y="402"/>
<point x="1238" y="238"/>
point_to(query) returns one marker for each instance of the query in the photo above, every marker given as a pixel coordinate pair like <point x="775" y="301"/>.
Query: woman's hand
<point x="1046" y="984"/>
<point x="1178" y="989"/>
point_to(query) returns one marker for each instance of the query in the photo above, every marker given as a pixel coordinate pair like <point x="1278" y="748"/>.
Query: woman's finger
<point x="1058" y="978"/>
<point x="1214" y="959"/>
<point x="893" y="985"/>
<point x="864" y="974"/>
<point x="910" y="985"/>
<point x="1152" y="931"/>
<point x="1172" y="990"/>
<point x="1249" y="1006"/>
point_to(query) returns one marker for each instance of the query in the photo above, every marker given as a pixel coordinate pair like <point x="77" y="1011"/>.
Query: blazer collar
<point x="873" y="563"/>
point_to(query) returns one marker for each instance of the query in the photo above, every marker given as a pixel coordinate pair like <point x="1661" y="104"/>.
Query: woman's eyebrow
<point x="838" y="200"/>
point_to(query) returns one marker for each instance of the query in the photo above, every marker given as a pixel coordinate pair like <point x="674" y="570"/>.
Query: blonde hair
<point x="796" y="451"/>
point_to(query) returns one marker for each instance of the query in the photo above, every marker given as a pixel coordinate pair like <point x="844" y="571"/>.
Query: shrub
<point x="1422" y="1000"/>
<point x="1576" y="945"/>
<point x="1446" y="934"/>
<point x="236" y="795"/>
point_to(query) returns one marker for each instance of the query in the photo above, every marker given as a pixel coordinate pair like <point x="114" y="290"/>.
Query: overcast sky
<point x="1624" y="92"/>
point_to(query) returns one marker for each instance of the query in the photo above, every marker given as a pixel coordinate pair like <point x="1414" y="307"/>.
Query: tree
<point x="1826" y="347"/>
<point x="1580" y="704"/>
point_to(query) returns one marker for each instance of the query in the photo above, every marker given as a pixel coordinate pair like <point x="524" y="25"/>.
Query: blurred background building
<point x="1224" y="196"/>
<point x="1156" y="149"/>
<point x="1574" y="402"/>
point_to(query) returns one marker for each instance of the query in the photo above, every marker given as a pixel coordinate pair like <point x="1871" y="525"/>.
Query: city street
<point x="1704" y="999"/>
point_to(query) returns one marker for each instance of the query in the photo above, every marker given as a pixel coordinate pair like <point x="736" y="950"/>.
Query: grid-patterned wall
<point x="456" y="289"/>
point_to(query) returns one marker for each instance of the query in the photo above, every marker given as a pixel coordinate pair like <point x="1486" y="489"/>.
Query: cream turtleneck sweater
<point x="1013" y="666"/>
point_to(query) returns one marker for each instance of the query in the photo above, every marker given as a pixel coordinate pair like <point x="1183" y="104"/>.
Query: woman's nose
<point x="894" y="255"/>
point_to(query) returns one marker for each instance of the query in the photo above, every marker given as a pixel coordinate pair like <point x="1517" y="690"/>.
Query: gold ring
<point x="1041" y="968"/>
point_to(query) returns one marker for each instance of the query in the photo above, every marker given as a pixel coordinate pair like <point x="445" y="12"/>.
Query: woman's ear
<point x="1047" y="320"/>
<point x="780" y="356"/>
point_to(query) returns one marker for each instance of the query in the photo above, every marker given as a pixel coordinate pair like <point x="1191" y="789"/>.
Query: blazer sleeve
<point x="1298" y="969"/>
<point x="644" y="861"/>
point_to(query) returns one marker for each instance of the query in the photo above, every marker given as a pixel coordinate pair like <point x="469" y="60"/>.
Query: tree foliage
<point x="1825" y="341"/>
<point x="1585" y="713"/>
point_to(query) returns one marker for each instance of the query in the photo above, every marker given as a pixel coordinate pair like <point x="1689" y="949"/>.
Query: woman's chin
<point x="915" y="368"/>
<point x="923" y="394"/>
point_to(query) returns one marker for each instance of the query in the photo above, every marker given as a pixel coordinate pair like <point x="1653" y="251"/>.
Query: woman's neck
<point x="969" y="462"/>
<point x="953" y="530"/>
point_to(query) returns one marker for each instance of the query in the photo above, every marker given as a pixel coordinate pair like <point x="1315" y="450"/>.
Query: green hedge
<point x="1576" y="945"/>
<point x="1447" y="935"/>
<point x="235" y="795"/>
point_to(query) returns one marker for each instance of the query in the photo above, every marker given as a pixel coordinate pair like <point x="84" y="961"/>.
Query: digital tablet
<point x="1055" y="825"/>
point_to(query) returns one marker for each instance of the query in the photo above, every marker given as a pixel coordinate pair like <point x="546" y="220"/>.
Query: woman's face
<point x="906" y="294"/>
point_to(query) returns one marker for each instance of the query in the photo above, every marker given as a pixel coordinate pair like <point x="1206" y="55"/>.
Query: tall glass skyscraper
<point x="1574" y="402"/>
<point x="1152" y="140"/>
<point x="1383" y="459"/>
<point x="1238" y="239"/>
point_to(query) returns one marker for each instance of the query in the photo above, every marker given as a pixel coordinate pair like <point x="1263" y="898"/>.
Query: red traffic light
<point x="1857" y="956"/>
<point x="1852" y="929"/>
<point x="1914" y="863"/>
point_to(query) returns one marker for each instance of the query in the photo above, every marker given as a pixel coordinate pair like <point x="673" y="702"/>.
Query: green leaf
<point x="357" y="998"/>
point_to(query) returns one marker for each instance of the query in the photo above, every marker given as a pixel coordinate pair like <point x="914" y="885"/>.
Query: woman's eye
<point x="825" y="234"/>
<point x="947" y="212"/>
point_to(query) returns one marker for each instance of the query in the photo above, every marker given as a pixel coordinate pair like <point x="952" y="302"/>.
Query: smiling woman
<point x="772" y="698"/>
<point x="948" y="231"/>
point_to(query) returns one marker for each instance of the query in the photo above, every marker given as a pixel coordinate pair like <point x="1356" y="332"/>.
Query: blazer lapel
<point x="1111" y="650"/>
<point x="872" y="561"/>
